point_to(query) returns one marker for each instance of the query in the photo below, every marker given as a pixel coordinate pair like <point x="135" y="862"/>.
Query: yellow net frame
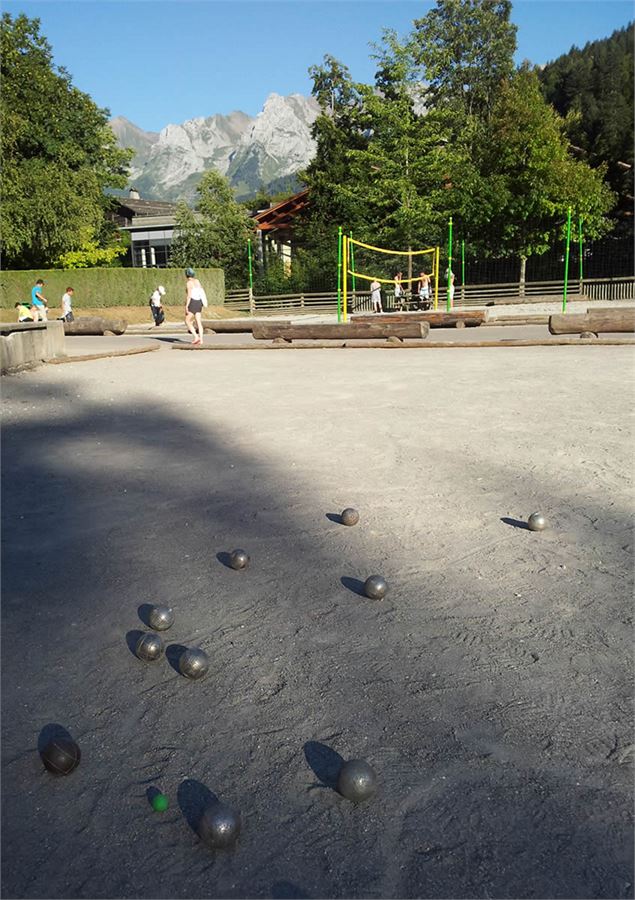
<point x="348" y="271"/>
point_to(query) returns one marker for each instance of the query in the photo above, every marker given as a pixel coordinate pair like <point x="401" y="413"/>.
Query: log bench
<point x="604" y="320"/>
<point x="346" y="331"/>
<point x="235" y="326"/>
<point x="95" y="325"/>
<point x="457" y="318"/>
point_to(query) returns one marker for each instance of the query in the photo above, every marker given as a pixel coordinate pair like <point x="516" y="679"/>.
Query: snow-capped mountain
<point x="251" y="152"/>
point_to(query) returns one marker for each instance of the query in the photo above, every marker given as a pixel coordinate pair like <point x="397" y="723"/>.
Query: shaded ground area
<point x="491" y="689"/>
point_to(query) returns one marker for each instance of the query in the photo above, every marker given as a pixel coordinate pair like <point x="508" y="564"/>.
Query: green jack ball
<point x="160" y="803"/>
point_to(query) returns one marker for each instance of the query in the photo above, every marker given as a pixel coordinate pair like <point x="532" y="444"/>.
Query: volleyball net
<point x="364" y="263"/>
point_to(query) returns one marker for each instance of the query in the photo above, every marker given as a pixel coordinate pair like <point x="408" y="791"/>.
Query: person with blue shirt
<point x="39" y="303"/>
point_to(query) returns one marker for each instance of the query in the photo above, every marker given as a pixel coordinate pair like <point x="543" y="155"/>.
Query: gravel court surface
<point x="491" y="689"/>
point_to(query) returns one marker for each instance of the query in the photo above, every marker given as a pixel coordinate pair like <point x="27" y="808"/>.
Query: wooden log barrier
<point x="598" y="321"/>
<point x="235" y="326"/>
<point x="91" y="325"/>
<point x="348" y="331"/>
<point x="458" y="318"/>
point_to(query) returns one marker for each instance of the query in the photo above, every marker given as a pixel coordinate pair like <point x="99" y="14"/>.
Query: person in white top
<point x="375" y="296"/>
<point x="156" y="304"/>
<point x="195" y="300"/>
<point x="400" y="294"/>
<point x="67" y="305"/>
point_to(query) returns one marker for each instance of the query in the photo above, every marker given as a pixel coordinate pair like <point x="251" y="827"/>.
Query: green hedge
<point x="107" y="287"/>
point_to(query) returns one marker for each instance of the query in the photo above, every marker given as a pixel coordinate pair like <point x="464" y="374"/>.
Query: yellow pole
<point x="345" y="291"/>
<point x="436" y="279"/>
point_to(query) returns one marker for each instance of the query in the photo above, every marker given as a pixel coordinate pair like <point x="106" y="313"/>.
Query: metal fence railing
<point x="609" y="289"/>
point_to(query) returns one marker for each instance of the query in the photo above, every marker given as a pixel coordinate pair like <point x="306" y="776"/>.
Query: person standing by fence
<point x="375" y="296"/>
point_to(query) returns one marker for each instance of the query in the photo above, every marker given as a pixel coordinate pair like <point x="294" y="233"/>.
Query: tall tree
<point x="466" y="50"/>
<point x="593" y="88"/>
<point x="526" y="177"/>
<point x="217" y="235"/>
<point x="58" y="154"/>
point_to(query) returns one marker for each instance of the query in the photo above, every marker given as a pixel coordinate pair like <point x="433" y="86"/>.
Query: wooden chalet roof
<point x="281" y="215"/>
<point x="146" y="207"/>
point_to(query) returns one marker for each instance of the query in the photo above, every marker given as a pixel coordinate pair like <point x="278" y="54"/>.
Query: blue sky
<point x="165" y="61"/>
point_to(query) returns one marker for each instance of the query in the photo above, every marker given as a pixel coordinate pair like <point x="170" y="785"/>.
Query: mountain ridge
<point x="252" y="151"/>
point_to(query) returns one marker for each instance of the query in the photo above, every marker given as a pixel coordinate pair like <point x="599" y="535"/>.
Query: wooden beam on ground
<point x="92" y="325"/>
<point x="236" y="326"/>
<point x="458" y="318"/>
<point x="519" y="320"/>
<point x="597" y="321"/>
<point x="348" y="331"/>
<point x="414" y="344"/>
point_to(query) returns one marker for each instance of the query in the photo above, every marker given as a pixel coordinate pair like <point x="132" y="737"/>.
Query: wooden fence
<point x="466" y="295"/>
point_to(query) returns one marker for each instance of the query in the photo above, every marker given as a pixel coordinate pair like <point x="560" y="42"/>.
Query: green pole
<point x="580" y="250"/>
<point x="339" y="274"/>
<point x="462" y="263"/>
<point x="251" y="279"/>
<point x="350" y="233"/>
<point x="448" y="305"/>
<point x="566" y="262"/>
<point x="251" y="274"/>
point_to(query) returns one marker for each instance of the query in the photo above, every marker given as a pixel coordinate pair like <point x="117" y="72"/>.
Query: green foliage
<point x="527" y="179"/>
<point x="593" y="89"/>
<point x="90" y="256"/>
<point x="58" y="153"/>
<point x="483" y="147"/>
<point x="216" y="234"/>
<point x="465" y="49"/>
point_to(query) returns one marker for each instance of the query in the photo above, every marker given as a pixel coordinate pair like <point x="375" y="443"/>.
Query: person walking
<point x="375" y="296"/>
<point x="39" y="303"/>
<point x="195" y="300"/>
<point x="156" y="304"/>
<point x="67" y="305"/>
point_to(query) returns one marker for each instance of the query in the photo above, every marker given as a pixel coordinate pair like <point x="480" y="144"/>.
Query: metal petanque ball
<point x="194" y="663"/>
<point x="149" y="647"/>
<point x="357" y="780"/>
<point x="161" y="618"/>
<point x="375" y="587"/>
<point x="536" y="522"/>
<point x="350" y="516"/>
<point x="238" y="559"/>
<point x="219" y="826"/>
<point x="61" y="756"/>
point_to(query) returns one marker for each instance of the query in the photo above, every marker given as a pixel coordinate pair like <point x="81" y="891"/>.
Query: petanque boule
<point x="357" y="780"/>
<point x="161" y="618"/>
<point x="194" y="663"/>
<point x="149" y="647"/>
<point x="61" y="756"/>
<point x="349" y="516"/>
<point x="238" y="559"/>
<point x="375" y="587"/>
<point x="219" y="826"/>
<point x="537" y="522"/>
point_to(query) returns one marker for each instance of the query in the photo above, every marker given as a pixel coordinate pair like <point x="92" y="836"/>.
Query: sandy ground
<point x="491" y="690"/>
